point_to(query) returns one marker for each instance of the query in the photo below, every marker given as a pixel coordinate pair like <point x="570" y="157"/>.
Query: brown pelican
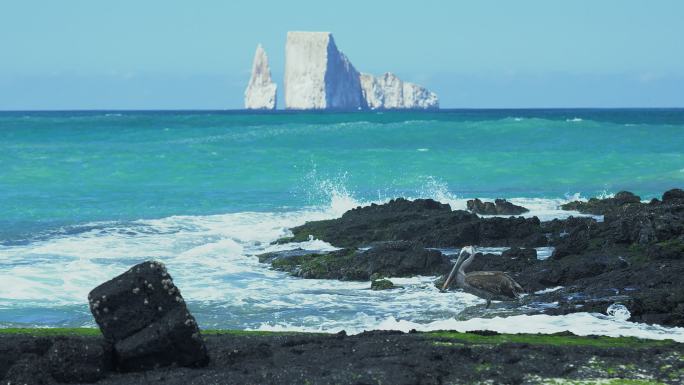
<point x="490" y="285"/>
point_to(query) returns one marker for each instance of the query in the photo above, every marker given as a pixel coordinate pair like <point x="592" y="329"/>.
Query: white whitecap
<point x="618" y="311"/>
<point x="582" y="324"/>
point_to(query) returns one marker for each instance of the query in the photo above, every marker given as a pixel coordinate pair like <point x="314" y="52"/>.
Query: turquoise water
<point x="84" y="195"/>
<point x="70" y="168"/>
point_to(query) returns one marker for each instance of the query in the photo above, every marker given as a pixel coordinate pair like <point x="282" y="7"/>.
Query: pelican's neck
<point x="459" y="261"/>
<point x="466" y="263"/>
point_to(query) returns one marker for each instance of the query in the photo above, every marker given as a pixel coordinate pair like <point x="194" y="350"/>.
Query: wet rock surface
<point x="382" y="284"/>
<point x="498" y="207"/>
<point x="386" y="259"/>
<point x="635" y="256"/>
<point x="391" y="358"/>
<point x="73" y="360"/>
<point x="143" y="315"/>
<point x="673" y="196"/>
<point x="599" y="206"/>
<point x="423" y="220"/>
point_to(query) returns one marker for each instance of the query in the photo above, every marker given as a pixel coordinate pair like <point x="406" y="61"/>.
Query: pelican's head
<point x="467" y="251"/>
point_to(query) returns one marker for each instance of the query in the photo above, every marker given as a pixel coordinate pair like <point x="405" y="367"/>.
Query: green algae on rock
<point x="382" y="284"/>
<point x="379" y="357"/>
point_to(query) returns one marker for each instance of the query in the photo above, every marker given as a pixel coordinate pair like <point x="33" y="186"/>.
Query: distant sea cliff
<point x="318" y="76"/>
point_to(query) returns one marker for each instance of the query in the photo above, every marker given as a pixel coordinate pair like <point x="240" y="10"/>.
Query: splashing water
<point x="212" y="259"/>
<point x="84" y="196"/>
<point x="618" y="312"/>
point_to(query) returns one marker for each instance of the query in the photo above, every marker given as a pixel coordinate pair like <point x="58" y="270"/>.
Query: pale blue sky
<point x="167" y="54"/>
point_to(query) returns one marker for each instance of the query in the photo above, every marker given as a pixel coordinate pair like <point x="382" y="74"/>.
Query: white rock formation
<point x="390" y="92"/>
<point x="318" y="75"/>
<point x="261" y="90"/>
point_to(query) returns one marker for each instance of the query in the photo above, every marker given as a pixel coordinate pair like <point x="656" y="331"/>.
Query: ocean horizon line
<point x="336" y="111"/>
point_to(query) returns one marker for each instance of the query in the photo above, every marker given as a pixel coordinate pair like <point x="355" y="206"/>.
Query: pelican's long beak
<point x="468" y="250"/>
<point x="451" y="276"/>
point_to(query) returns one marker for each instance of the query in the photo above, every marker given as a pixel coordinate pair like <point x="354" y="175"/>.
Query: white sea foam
<point x="212" y="260"/>
<point x="582" y="324"/>
<point x="579" y="323"/>
<point x="618" y="311"/>
<point x="542" y="252"/>
<point x="543" y="208"/>
<point x="549" y="290"/>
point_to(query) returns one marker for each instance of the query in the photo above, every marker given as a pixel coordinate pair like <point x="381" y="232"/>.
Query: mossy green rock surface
<point x="379" y="357"/>
<point x="382" y="284"/>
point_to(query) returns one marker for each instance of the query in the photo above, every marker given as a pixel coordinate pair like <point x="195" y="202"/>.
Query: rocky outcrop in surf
<point x="431" y="223"/>
<point x="498" y="207"/>
<point x="599" y="206"/>
<point x="634" y="257"/>
<point x="387" y="259"/>
<point x="261" y="90"/>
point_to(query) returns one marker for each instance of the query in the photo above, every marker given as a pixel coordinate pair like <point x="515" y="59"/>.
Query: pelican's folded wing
<point x="495" y="282"/>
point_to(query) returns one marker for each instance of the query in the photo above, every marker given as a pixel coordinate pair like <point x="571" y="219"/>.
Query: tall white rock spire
<point x="318" y="75"/>
<point x="261" y="90"/>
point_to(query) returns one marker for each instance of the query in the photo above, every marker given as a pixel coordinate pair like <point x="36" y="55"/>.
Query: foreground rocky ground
<point x="634" y="257"/>
<point x="50" y="357"/>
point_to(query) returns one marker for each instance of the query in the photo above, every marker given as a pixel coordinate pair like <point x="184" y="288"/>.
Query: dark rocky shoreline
<point x="369" y="358"/>
<point x="425" y="221"/>
<point x="634" y="257"/>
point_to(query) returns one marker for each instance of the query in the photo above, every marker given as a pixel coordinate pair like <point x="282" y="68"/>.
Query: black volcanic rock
<point x="386" y="259"/>
<point x="402" y="259"/>
<point x="425" y="221"/>
<point x="597" y="206"/>
<point x="498" y="207"/>
<point x="634" y="256"/>
<point x="646" y="223"/>
<point x="673" y="195"/>
<point x="478" y="207"/>
<point x="504" y="207"/>
<point x="495" y="262"/>
<point x="391" y="357"/>
<point x="576" y="241"/>
<point x="79" y="360"/>
<point x="382" y="284"/>
<point x="17" y="348"/>
<point x="520" y="254"/>
<point x="28" y="369"/>
<point x="142" y="313"/>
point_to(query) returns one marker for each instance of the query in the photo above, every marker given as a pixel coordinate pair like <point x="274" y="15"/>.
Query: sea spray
<point x="85" y="196"/>
<point x="215" y="264"/>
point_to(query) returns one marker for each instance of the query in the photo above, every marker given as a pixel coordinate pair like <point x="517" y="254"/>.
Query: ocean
<point x="85" y="195"/>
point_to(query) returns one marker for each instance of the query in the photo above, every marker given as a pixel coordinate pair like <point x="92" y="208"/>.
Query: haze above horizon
<point x="80" y="54"/>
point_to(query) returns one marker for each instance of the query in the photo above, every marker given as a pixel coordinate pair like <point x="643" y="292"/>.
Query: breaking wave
<point x="212" y="259"/>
